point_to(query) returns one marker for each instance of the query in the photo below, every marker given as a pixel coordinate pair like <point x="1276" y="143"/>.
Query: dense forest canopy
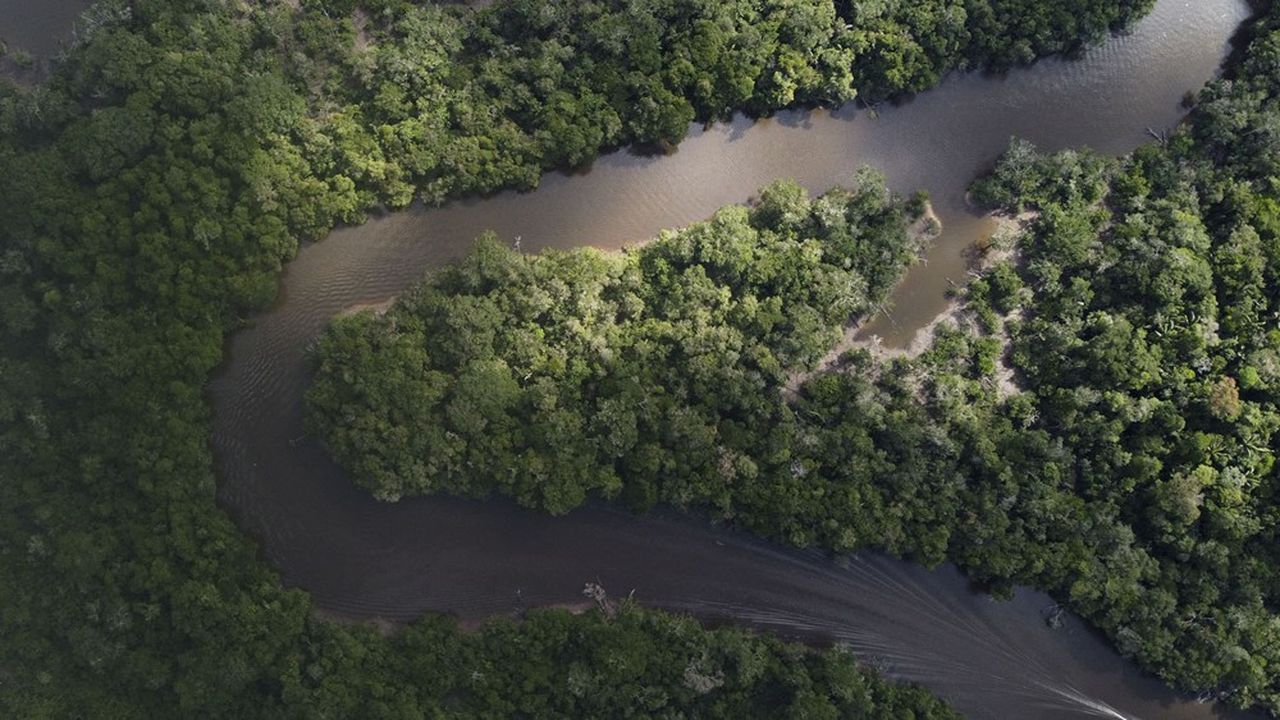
<point x="651" y="373"/>
<point x="1129" y="468"/>
<point x="154" y="186"/>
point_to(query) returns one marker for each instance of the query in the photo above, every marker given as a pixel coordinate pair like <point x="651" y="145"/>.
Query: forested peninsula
<point x="656" y="374"/>
<point x="153" y="187"/>
<point x="1100" y="421"/>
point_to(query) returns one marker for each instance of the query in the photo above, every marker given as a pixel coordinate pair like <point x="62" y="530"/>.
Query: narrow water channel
<point x="362" y="559"/>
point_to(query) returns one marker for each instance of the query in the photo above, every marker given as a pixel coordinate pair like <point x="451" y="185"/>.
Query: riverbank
<point x="986" y="253"/>
<point x="454" y="555"/>
<point x="377" y="307"/>
<point x="923" y="232"/>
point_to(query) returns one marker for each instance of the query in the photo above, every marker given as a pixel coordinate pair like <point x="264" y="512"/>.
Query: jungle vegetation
<point x="153" y="187"/>
<point x="649" y="374"/>
<point x="1129" y="469"/>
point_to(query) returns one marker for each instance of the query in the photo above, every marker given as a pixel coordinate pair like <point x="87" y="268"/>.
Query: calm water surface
<point x="39" y="27"/>
<point x="363" y="559"/>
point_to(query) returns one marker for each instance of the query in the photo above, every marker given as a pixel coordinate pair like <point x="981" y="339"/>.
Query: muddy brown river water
<point x="361" y="559"/>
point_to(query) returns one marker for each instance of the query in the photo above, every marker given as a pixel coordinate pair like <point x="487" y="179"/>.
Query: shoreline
<point x="996" y="248"/>
<point x="377" y="307"/>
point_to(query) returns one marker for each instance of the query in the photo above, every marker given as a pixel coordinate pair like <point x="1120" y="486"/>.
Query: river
<point x="361" y="559"/>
